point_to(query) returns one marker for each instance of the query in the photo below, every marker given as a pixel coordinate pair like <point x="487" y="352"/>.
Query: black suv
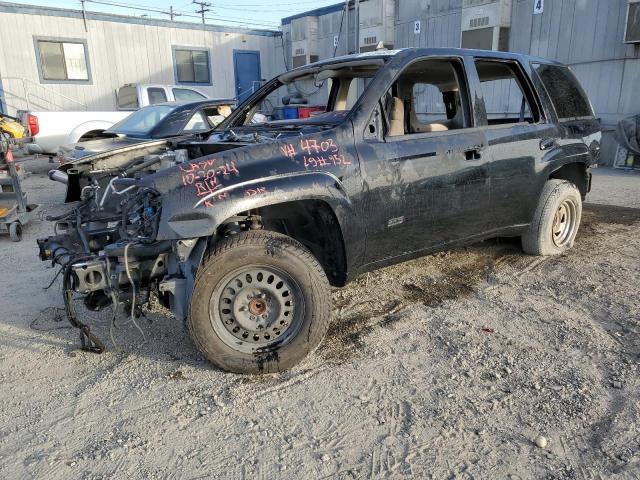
<point x="242" y="230"/>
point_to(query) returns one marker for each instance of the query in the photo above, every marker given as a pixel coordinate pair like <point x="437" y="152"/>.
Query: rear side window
<point x="197" y="123"/>
<point x="128" y="98"/>
<point x="568" y="97"/>
<point x="507" y="96"/>
<point x="156" y="95"/>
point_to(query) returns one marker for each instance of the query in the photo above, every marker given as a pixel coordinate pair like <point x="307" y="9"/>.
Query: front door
<point x="246" y="64"/>
<point x="426" y="181"/>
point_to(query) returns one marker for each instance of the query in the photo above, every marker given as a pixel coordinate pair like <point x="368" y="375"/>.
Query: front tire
<point x="261" y="303"/>
<point x="556" y="220"/>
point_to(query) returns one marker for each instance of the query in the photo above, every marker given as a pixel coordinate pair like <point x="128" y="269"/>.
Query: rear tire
<point x="261" y="303"/>
<point x="556" y="220"/>
<point x="15" y="232"/>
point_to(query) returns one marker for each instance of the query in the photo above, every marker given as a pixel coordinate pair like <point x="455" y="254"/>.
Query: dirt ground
<point x="448" y="366"/>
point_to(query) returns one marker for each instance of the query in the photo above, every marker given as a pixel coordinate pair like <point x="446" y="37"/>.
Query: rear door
<point x="518" y="136"/>
<point x="426" y="180"/>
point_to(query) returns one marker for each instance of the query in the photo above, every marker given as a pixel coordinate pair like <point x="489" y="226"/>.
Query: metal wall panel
<point x="119" y="52"/>
<point x="586" y="34"/>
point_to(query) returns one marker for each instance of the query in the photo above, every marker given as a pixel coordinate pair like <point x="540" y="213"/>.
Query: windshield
<point x="142" y="121"/>
<point x="316" y="96"/>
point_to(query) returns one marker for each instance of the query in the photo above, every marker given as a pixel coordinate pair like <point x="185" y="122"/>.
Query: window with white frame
<point x="63" y="60"/>
<point x="192" y="65"/>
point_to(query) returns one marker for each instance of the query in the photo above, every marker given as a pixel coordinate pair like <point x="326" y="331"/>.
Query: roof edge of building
<point x="315" y="12"/>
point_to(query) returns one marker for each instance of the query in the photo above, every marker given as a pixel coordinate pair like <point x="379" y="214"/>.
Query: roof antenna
<point x="380" y="46"/>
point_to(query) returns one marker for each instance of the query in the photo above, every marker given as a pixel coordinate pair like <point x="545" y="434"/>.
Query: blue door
<point x="247" y="67"/>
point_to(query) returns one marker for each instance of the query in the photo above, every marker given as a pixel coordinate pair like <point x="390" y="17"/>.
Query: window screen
<point x="63" y="60"/>
<point x="568" y="97"/>
<point x="480" y="39"/>
<point x="632" y="31"/>
<point x="192" y="66"/>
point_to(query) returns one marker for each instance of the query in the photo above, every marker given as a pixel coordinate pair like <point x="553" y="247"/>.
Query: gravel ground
<point x="475" y="363"/>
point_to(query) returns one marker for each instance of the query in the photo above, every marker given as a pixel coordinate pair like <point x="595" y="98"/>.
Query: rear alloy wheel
<point x="261" y="303"/>
<point x="556" y="220"/>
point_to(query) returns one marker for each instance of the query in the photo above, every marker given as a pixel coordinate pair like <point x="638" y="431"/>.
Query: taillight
<point x="34" y="127"/>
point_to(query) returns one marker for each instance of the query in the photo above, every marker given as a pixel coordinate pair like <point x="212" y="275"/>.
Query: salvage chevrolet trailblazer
<point x="242" y="231"/>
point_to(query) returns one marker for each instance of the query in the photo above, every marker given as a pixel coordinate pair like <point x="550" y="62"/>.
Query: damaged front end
<point x="106" y="243"/>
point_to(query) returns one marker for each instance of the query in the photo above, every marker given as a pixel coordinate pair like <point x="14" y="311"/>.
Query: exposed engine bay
<point x="106" y="243"/>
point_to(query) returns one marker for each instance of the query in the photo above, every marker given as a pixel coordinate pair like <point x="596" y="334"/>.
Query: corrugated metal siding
<point x="586" y="34"/>
<point x="119" y="53"/>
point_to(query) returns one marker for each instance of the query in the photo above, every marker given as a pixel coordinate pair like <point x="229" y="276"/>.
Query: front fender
<point x="201" y="219"/>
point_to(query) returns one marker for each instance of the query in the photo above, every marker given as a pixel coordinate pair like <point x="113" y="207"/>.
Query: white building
<point x="59" y="59"/>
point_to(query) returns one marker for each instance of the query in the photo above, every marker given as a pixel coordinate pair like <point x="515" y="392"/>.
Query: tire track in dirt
<point x="360" y="308"/>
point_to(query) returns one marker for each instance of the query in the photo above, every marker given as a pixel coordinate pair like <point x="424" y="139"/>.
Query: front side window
<point x="568" y="97"/>
<point x="429" y="96"/>
<point x="192" y="66"/>
<point x="507" y="97"/>
<point x="63" y="60"/>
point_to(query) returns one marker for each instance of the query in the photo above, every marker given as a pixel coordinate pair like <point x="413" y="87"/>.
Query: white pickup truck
<point x="53" y="129"/>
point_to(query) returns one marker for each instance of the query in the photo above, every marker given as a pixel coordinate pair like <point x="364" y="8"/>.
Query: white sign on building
<point x="538" y="6"/>
<point x="417" y="26"/>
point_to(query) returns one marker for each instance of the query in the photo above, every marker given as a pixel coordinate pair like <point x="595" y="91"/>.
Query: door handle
<point x="547" y="143"/>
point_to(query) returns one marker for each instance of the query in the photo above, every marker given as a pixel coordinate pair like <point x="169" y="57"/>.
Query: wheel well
<point x="575" y="173"/>
<point x="93" y="134"/>
<point x="311" y="222"/>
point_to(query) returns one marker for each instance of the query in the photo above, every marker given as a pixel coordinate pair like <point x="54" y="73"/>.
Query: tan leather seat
<point x="418" y="127"/>
<point x="396" y="117"/>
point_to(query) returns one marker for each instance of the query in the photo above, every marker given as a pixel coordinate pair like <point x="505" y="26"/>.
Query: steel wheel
<point x="564" y="223"/>
<point x="255" y="308"/>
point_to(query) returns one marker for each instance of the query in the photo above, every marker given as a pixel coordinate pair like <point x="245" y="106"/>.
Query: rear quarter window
<point x="568" y="97"/>
<point x="128" y="98"/>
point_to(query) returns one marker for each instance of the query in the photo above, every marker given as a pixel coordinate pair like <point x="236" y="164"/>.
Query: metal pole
<point x="26" y="93"/>
<point x="357" y="26"/>
<point x="203" y="8"/>
<point x="84" y="15"/>
<point x="346" y="5"/>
